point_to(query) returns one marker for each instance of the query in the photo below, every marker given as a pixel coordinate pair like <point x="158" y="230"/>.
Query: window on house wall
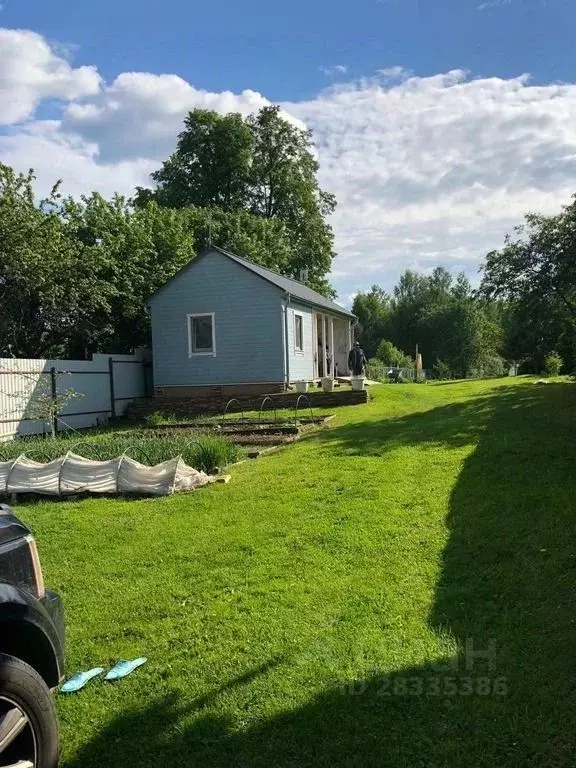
<point x="298" y="333"/>
<point x="201" y="335"/>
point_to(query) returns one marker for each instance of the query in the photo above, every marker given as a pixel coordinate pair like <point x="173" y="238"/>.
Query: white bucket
<point x="302" y="386"/>
<point x="328" y="384"/>
<point x="357" y="383"/>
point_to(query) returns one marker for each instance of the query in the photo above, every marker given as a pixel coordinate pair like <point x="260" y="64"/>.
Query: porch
<point x="332" y="341"/>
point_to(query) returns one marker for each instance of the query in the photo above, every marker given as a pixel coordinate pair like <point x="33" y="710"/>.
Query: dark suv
<point x="31" y="652"/>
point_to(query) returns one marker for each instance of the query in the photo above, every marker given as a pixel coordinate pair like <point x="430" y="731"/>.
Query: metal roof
<point x="296" y="289"/>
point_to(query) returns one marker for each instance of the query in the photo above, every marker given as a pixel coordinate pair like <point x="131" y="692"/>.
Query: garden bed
<point x="203" y="451"/>
<point x="248" y="431"/>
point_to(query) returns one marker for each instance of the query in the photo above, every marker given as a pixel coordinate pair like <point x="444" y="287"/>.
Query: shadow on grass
<point x="490" y="416"/>
<point x="506" y="594"/>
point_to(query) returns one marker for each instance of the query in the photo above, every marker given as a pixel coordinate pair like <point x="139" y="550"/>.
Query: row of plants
<point x="201" y="451"/>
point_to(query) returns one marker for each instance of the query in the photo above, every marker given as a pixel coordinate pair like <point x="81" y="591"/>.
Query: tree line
<point x="75" y="274"/>
<point x="523" y="313"/>
<point x="456" y="335"/>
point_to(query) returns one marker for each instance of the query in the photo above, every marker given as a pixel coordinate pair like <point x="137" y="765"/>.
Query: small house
<point x="225" y="322"/>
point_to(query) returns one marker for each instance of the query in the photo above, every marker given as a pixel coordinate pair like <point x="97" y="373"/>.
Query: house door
<point x="324" y="350"/>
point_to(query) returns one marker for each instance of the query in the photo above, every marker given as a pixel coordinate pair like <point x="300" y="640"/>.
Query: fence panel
<point x="108" y="383"/>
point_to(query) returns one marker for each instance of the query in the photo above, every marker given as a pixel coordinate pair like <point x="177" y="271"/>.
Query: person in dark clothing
<point x="357" y="359"/>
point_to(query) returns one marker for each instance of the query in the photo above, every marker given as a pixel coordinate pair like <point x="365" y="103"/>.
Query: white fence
<point x="107" y="383"/>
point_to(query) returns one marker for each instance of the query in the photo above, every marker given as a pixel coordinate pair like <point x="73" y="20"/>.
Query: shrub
<point x="495" y="366"/>
<point x="441" y="370"/>
<point x="490" y="367"/>
<point x="376" y="370"/>
<point x="392" y="356"/>
<point x="553" y="364"/>
<point x="160" y="417"/>
<point x="212" y="452"/>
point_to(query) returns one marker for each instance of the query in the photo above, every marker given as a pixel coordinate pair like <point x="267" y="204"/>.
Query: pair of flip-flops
<point x="118" y="671"/>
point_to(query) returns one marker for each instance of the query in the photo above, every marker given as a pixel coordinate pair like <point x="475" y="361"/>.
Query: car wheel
<point x="28" y="724"/>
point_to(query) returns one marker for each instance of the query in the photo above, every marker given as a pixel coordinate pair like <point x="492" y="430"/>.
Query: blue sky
<point x="425" y="131"/>
<point x="277" y="48"/>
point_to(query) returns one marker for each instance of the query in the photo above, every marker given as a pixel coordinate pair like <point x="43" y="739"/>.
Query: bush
<point x="495" y="366"/>
<point x="376" y="370"/>
<point x="212" y="452"/>
<point x="441" y="370"/>
<point x="392" y="356"/>
<point x="160" y="417"/>
<point x="553" y="364"/>
<point x="490" y="367"/>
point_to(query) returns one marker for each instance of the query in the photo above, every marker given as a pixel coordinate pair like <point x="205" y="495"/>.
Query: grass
<point x="201" y="451"/>
<point x="324" y="608"/>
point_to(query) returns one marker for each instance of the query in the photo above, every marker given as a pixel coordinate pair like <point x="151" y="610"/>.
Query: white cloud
<point x="335" y="69"/>
<point x="437" y="169"/>
<point x="30" y="71"/>
<point x="56" y="155"/>
<point x="140" y="114"/>
<point x="426" y="170"/>
<point x="489" y="4"/>
<point x="394" y="73"/>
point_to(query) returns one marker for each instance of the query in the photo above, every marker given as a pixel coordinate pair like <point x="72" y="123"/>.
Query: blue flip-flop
<point x="123" y="668"/>
<point x="80" y="679"/>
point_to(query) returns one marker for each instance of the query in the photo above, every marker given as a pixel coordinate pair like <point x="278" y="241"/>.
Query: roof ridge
<point x="261" y="266"/>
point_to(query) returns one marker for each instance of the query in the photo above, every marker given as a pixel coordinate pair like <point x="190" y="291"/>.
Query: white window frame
<point x="298" y="350"/>
<point x="189" y="318"/>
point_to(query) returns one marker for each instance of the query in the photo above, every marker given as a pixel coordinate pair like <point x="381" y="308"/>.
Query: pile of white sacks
<point x="71" y="474"/>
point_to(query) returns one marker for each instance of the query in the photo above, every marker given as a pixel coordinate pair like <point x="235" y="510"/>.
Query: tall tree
<point x="211" y="165"/>
<point x="535" y="273"/>
<point x="540" y="262"/>
<point x="372" y="311"/>
<point x="33" y="256"/>
<point x="262" y="165"/>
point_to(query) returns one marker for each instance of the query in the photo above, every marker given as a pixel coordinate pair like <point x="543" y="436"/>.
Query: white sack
<point x="74" y="474"/>
<point x="33" y="476"/>
<point x="139" y="478"/>
<point x="80" y="475"/>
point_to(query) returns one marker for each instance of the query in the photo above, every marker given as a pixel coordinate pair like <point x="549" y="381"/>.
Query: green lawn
<point x="322" y="608"/>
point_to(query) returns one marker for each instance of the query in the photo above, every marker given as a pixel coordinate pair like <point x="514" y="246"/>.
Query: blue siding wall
<point x="248" y="322"/>
<point x="301" y="363"/>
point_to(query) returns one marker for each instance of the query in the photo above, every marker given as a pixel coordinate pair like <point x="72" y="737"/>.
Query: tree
<point x="441" y="370"/>
<point x="540" y="262"/>
<point x="372" y="310"/>
<point x="438" y="312"/>
<point x="531" y="332"/>
<point x="535" y="273"/>
<point x="211" y="165"/>
<point x="392" y="356"/>
<point x="122" y="256"/>
<point x="262" y="165"/>
<point x="409" y="301"/>
<point x="34" y="261"/>
<point x="553" y="364"/>
<point x="40" y="398"/>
